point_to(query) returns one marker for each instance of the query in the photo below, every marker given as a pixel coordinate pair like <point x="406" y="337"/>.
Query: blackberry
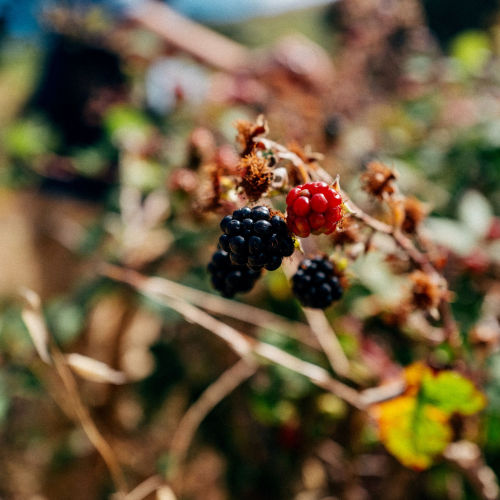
<point x="255" y="238"/>
<point x="229" y="278"/>
<point x="315" y="284"/>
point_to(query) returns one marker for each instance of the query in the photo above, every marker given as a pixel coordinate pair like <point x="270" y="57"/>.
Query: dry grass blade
<point x="93" y="370"/>
<point x="88" y="425"/>
<point x="33" y="319"/>
<point x="35" y="323"/>
<point x="241" y="344"/>
<point x="383" y="392"/>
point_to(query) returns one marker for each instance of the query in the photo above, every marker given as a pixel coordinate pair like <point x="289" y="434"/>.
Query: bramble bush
<point x="263" y="275"/>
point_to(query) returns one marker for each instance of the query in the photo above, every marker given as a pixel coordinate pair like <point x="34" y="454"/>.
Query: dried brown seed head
<point x="415" y="213"/>
<point x="201" y="147"/>
<point x="247" y="131"/>
<point x="256" y="176"/>
<point x="348" y="231"/>
<point x="427" y="290"/>
<point x="378" y="180"/>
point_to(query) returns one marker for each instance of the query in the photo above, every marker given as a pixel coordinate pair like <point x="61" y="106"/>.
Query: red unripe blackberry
<point x="254" y="238"/>
<point x="315" y="284"/>
<point x="228" y="278"/>
<point x="314" y="207"/>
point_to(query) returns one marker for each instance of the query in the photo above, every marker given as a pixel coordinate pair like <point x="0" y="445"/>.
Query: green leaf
<point x="415" y="426"/>
<point x="451" y="392"/>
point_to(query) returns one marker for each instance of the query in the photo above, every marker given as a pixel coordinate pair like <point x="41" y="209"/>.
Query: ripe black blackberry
<point x="228" y="278"/>
<point x="254" y="238"/>
<point x="315" y="284"/>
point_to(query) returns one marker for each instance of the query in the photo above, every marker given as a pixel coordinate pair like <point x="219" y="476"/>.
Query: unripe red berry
<point x="301" y="206"/>
<point x="292" y="195"/>
<point x="301" y="227"/>
<point x="315" y="207"/>
<point x="319" y="203"/>
<point x="316" y="220"/>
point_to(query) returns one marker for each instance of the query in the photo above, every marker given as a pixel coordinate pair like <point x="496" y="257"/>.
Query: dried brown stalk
<point x="211" y="397"/>
<point x="329" y="342"/>
<point x="214" y="304"/>
<point x="205" y="44"/>
<point x="244" y="345"/>
<point x="144" y="489"/>
<point x="323" y="331"/>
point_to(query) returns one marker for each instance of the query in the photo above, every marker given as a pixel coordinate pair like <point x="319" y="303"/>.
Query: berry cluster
<point x="315" y="284"/>
<point x="229" y="278"/>
<point x="254" y="238"/>
<point x="314" y="207"/>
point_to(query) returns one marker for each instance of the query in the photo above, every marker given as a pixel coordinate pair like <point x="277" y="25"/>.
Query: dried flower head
<point x="415" y="213"/>
<point x="348" y="231"/>
<point x="427" y="290"/>
<point x="256" y="176"/>
<point x="247" y="131"/>
<point x="209" y="189"/>
<point x="201" y="147"/>
<point x="305" y="154"/>
<point x="378" y="180"/>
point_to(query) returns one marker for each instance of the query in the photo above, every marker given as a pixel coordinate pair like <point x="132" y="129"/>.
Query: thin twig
<point x="328" y="340"/>
<point x="142" y="490"/>
<point x="383" y="392"/>
<point x="317" y="375"/>
<point x="244" y="345"/>
<point x="324" y="333"/>
<point x="450" y="327"/>
<point x="214" y="304"/>
<point x="203" y="43"/>
<point x="212" y="396"/>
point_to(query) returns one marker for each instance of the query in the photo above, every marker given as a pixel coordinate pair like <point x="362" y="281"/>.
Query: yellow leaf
<point x="415" y="427"/>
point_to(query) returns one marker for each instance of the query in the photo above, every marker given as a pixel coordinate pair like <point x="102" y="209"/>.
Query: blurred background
<point x="113" y="116"/>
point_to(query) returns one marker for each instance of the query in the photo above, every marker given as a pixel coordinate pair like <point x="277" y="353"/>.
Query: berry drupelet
<point x="228" y="278"/>
<point x="315" y="284"/>
<point x="255" y="238"/>
<point x="314" y="207"/>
